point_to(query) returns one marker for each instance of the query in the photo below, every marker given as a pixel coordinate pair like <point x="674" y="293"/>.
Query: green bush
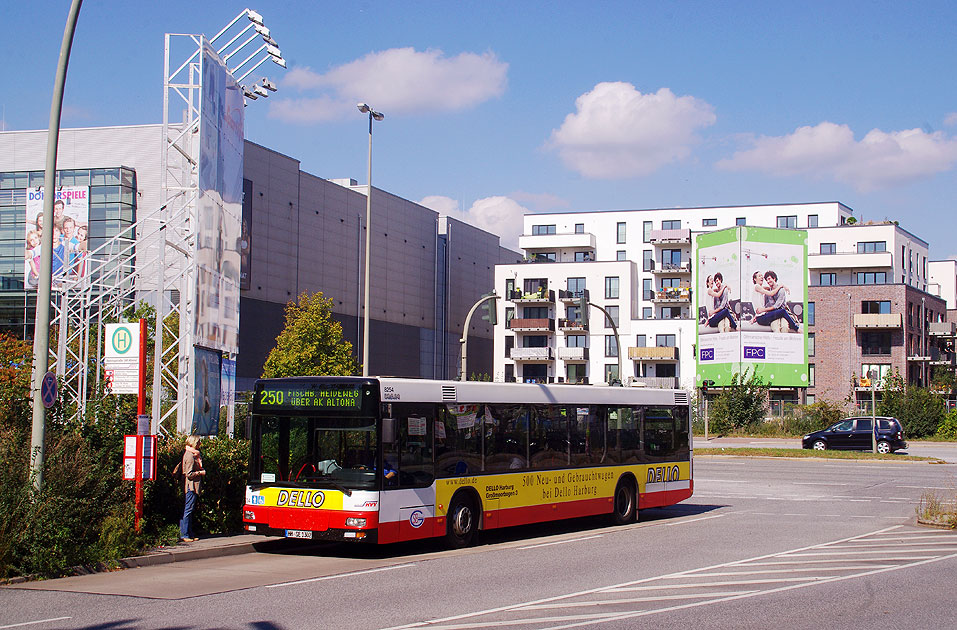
<point x="947" y="430"/>
<point x="920" y="410"/>
<point x="814" y="417"/>
<point x="741" y="405"/>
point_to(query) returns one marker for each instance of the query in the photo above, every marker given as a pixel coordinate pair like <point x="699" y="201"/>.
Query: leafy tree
<point x="741" y="404"/>
<point x="311" y="343"/>
<point x="920" y="410"/>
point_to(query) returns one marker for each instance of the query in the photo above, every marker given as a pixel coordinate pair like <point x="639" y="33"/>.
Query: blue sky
<point x="494" y="108"/>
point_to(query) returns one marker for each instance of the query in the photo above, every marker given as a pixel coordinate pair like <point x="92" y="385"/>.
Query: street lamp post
<point x="373" y="115"/>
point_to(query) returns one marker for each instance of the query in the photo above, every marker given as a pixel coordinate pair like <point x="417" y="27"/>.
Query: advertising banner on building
<point x="219" y="224"/>
<point x="206" y="391"/>
<point x="71" y="226"/>
<point x="751" y="300"/>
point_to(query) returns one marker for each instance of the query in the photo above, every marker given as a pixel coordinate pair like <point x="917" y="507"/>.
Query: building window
<point x="810" y="313"/>
<point x="871" y="277"/>
<point x="535" y="312"/>
<point x="812" y="220"/>
<point x="881" y="307"/>
<point x="576" y="286"/>
<point x="810" y="375"/>
<point x="709" y="222"/>
<point x="646" y="228"/>
<point x="810" y="399"/>
<point x="828" y="248"/>
<point x="575" y="341"/>
<point x="611" y="287"/>
<point x="611" y="346"/>
<point x="828" y="279"/>
<point x="647" y="312"/>
<point x="621" y="255"/>
<point x="509" y="314"/>
<point x="579" y="228"/>
<point x="673" y="224"/>
<point x="612" y="316"/>
<point x="641" y="341"/>
<point x="611" y="373"/>
<point x="875" y="343"/>
<point x="621" y="232"/>
<point x="741" y="221"/>
<point x="582" y="256"/>
<point x="788" y="222"/>
<point x="875" y="371"/>
<point x="665" y="341"/>
<point x="534" y="341"/>
<point x="871" y="247"/>
<point x="542" y="229"/>
<point x="664" y="370"/>
<point x="544" y="257"/>
<point x="670" y="258"/>
<point x="647" y="292"/>
<point x="647" y="260"/>
<point x="671" y="312"/>
<point x="810" y="344"/>
<point x="536" y="285"/>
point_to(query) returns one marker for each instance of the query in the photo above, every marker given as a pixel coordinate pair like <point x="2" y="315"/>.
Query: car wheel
<point x="884" y="447"/>
<point x="461" y="522"/>
<point x="623" y="511"/>
<point x="819" y="445"/>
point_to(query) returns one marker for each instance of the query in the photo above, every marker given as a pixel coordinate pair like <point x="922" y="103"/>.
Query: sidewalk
<point x="208" y="547"/>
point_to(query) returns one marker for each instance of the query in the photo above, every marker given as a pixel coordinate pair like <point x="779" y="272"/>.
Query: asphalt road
<point x="763" y="543"/>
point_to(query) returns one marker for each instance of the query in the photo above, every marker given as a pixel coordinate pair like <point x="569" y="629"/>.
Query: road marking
<point x="560" y="542"/>
<point x="629" y="600"/>
<point x="700" y="480"/>
<point x="341" y="575"/>
<point x="818" y="483"/>
<point x="926" y="487"/>
<point x="30" y="623"/>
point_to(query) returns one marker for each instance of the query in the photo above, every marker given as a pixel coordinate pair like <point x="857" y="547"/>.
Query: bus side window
<point x="415" y="423"/>
<point x="549" y="436"/>
<point x="506" y="438"/>
<point x="585" y="435"/>
<point x="461" y="450"/>
<point x="660" y="433"/>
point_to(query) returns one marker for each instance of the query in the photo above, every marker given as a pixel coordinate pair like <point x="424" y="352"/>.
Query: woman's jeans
<point x="765" y="319"/>
<point x="186" y="523"/>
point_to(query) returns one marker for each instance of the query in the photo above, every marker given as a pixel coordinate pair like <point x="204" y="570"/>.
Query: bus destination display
<point x="292" y="397"/>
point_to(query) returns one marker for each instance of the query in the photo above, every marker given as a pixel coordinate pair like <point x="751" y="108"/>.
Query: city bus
<point x="384" y="460"/>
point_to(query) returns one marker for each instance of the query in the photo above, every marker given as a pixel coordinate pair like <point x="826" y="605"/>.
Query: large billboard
<point x="219" y="225"/>
<point x="751" y="300"/>
<point x="71" y="226"/>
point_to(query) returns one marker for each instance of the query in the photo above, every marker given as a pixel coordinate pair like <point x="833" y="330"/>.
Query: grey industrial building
<point x="305" y="234"/>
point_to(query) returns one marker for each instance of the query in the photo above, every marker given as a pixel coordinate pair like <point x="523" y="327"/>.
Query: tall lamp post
<point x="373" y="115"/>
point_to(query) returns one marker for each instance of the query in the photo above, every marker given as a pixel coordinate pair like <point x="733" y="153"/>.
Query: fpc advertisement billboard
<point x="751" y="300"/>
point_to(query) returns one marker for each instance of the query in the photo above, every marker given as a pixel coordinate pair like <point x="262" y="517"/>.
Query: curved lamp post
<point x="373" y="115"/>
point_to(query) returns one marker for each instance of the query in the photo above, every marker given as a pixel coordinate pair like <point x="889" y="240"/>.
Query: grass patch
<point x="937" y="511"/>
<point x="807" y="453"/>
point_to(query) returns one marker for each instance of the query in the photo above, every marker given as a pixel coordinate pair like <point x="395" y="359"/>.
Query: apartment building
<point x="637" y="265"/>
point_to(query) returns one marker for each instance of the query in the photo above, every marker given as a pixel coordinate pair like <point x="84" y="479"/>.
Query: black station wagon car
<point x="855" y="434"/>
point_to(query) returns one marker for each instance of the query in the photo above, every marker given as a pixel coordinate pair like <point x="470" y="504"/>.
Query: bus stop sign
<point x="48" y="390"/>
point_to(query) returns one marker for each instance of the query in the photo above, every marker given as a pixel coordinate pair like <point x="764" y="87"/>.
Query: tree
<point x="920" y="410"/>
<point x="740" y="404"/>
<point x="311" y="343"/>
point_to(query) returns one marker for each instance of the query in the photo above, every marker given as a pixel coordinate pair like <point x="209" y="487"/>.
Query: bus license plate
<point x="298" y="533"/>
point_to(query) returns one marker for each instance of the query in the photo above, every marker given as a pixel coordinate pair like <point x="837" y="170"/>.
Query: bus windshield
<point x="322" y="452"/>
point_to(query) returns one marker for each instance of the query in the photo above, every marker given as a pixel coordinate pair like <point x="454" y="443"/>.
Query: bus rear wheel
<point x="623" y="511"/>
<point x="461" y="522"/>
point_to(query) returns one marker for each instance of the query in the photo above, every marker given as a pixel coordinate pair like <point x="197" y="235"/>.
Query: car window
<point x="843" y="426"/>
<point x="885" y="424"/>
<point x="864" y="424"/>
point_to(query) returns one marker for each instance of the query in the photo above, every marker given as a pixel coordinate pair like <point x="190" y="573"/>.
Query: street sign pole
<point x="141" y="430"/>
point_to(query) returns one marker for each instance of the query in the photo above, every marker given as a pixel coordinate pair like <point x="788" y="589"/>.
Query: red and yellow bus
<point x="391" y="459"/>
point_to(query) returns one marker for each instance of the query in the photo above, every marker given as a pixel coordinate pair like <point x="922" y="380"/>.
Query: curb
<point x="158" y="557"/>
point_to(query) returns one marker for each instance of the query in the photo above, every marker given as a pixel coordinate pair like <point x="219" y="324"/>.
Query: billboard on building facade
<point x="207" y="372"/>
<point x="751" y="301"/>
<point x="219" y="225"/>
<point x="71" y="226"/>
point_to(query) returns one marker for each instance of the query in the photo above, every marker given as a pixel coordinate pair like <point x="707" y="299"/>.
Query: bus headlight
<point x="355" y="522"/>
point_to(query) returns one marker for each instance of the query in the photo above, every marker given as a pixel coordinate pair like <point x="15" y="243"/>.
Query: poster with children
<point x="70" y="227"/>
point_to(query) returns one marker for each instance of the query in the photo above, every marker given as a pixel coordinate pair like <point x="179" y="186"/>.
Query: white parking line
<point x="629" y="600"/>
<point x="818" y="483"/>
<point x="30" y="623"/>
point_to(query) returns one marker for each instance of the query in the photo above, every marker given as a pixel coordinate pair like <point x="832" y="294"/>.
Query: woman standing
<point x="193" y="473"/>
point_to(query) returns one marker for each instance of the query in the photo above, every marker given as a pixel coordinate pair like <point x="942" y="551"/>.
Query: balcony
<point x="942" y="329"/>
<point x="571" y="297"/>
<point x="660" y="382"/>
<point x="670" y="237"/>
<point x="552" y="242"/>
<point x="572" y="325"/>
<point x="673" y="295"/>
<point x="531" y="324"/>
<point x="872" y="261"/>
<point x="532" y="355"/>
<point x="672" y="268"/>
<point x="573" y="354"/>
<point x="878" y="321"/>
<point x="653" y="353"/>
<point x="542" y="296"/>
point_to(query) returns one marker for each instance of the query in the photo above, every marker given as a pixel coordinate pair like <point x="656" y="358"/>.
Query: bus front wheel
<point x="624" y="510"/>
<point x="461" y="522"/>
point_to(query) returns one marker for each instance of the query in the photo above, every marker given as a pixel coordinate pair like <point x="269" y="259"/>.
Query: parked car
<point x="855" y="434"/>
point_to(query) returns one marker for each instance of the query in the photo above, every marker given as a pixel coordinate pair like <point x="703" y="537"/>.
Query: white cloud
<point x="951" y="119"/>
<point x="828" y="150"/>
<point x="498" y="215"/>
<point x="619" y="132"/>
<point x="395" y="81"/>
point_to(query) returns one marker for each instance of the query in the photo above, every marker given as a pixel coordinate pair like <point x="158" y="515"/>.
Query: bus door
<point x="407" y="502"/>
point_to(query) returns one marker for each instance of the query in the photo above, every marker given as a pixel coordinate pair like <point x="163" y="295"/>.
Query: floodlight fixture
<point x="262" y="30"/>
<point x="269" y="85"/>
<point x="249" y="94"/>
<point x="279" y="61"/>
<point x="261" y="91"/>
<point x="363" y="108"/>
<point x="254" y="17"/>
<point x="274" y="51"/>
<point x="269" y="40"/>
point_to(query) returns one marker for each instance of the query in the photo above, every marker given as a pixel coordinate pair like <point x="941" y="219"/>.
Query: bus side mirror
<point x="388" y="430"/>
